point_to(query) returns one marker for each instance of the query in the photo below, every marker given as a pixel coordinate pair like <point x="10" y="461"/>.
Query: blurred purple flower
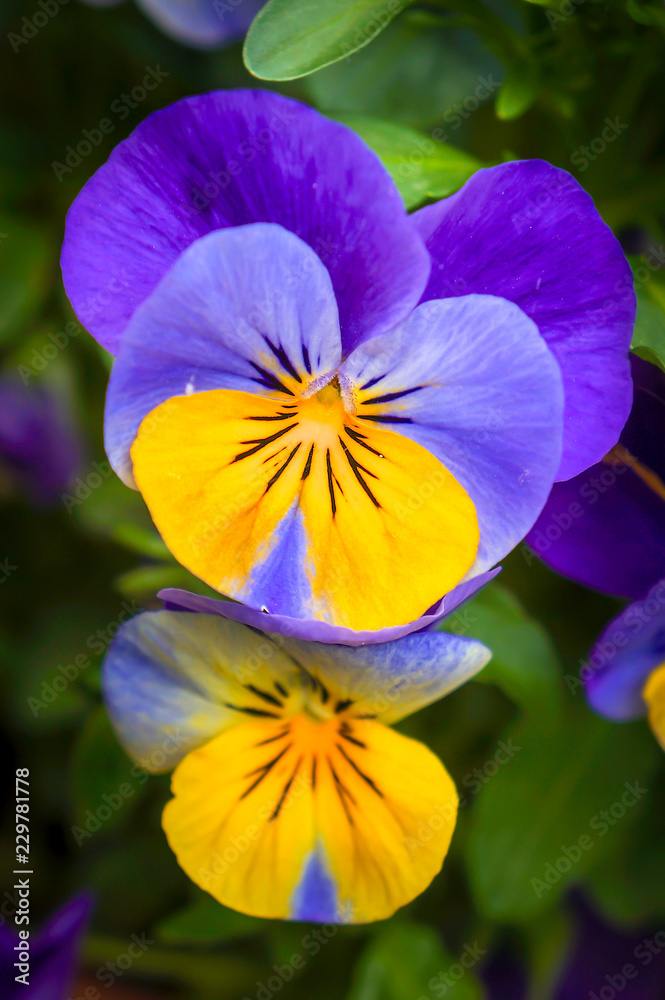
<point x="602" y="962"/>
<point x="38" y="445"/>
<point x="200" y="23"/>
<point x="606" y="527"/>
<point x="53" y="955"/>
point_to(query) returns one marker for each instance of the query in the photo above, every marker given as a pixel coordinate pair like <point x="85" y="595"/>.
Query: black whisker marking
<point x="274" y="479"/>
<point x="372" y="381"/>
<point x="260" y="443"/>
<point x="358" y="438"/>
<point x="308" y="464"/>
<point x="341" y="706"/>
<point x="264" y="770"/>
<point x="282" y="690"/>
<point x="279" y="416"/>
<point x="270" y="698"/>
<point x="305" y="358"/>
<point x="283" y="358"/>
<point x="285" y="792"/>
<point x="355" y="767"/>
<point x="269" y="458"/>
<point x="273" y="739"/>
<point x="331" y="488"/>
<point x="324" y="691"/>
<point x="342" y="791"/>
<point x="352" y="739"/>
<point x="389" y="396"/>
<point x="252" y="711"/>
<point x="269" y="380"/>
<point x="315" y="761"/>
<point x="358" y="474"/>
<point x="387" y="419"/>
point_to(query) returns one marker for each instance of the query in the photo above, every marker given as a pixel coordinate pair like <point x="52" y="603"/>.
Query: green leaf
<point x="25" y="269"/>
<point x="524" y="663"/>
<point x="543" y="821"/>
<point x="104" y="781"/>
<point x="287" y="40"/>
<point x="421" y="167"/>
<point x="629" y="887"/>
<point x="441" y="79"/>
<point x="649" y="332"/>
<point x="405" y="961"/>
<point x="206" y="922"/>
<point x="518" y="93"/>
<point x="144" y="582"/>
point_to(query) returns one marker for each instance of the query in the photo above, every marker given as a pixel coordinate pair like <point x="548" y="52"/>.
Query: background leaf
<point x="289" y="40"/>
<point x="406" y="961"/>
<point x="535" y="811"/>
<point x="421" y="167"/>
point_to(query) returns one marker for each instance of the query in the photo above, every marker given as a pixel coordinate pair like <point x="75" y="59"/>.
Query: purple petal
<point x="202" y="23"/>
<point x="239" y="309"/>
<point x="54" y="954"/>
<point x="38" y="444"/>
<point x="528" y="232"/>
<point x="606" y="527"/>
<point x="598" y="954"/>
<point x="228" y="159"/>
<point x="472" y="380"/>
<point x="318" y="631"/>
<point x="632" y="645"/>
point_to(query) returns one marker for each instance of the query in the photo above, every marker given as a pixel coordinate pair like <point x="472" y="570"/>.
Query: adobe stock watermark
<point x="31" y="25"/>
<point x="109" y="973"/>
<point x="113" y="802"/>
<point x="601" y="824"/>
<point x="83" y="488"/>
<point x="120" y="108"/>
<point x="41" y="357"/>
<point x="311" y="943"/>
<point x="637" y="616"/>
<point x="586" y="155"/>
<point x="644" y="953"/>
<point x="97" y="642"/>
<point x="447" y="979"/>
<point x="460" y="112"/>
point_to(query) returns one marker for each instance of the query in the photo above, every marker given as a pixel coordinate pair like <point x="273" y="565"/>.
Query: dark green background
<point x="561" y="77"/>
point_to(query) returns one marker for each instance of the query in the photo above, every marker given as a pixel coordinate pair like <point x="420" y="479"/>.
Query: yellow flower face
<point x="292" y="797"/>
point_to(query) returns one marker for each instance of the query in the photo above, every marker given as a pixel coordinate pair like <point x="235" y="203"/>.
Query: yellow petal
<point x="254" y="807"/>
<point x="304" y="508"/>
<point x="654" y="696"/>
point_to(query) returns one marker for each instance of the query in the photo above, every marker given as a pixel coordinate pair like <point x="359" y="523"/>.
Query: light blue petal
<point x="484" y="394"/>
<point x="170" y="677"/>
<point x="393" y="679"/>
<point x="210" y="324"/>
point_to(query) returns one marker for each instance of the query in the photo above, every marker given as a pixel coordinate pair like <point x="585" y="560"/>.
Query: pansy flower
<point x="606" y="527"/>
<point x="334" y="411"/>
<point x="200" y="23"/>
<point x="39" y="449"/>
<point x="625" y="674"/>
<point x="292" y="797"/>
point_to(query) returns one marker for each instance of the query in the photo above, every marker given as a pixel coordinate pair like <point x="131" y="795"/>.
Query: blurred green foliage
<point x="437" y="88"/>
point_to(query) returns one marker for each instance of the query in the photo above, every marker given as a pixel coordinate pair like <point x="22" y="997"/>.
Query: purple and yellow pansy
<point x="292" y="797"/>
<point x="336" y="412"/>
